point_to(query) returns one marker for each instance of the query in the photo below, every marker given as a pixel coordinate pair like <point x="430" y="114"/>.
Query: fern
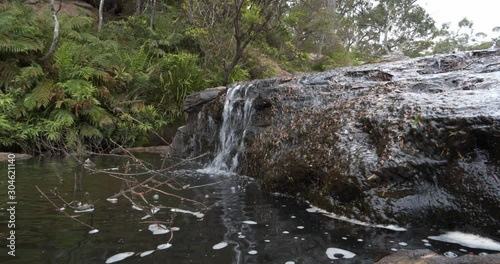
<point x="79" y="90"/>
<point x="87" y="131"/>
<point x="8" y="72"/>
<point x="18" y="30"/>
<point x="29" y="75"/>
<point x="63" y="117"/>
<point x="40" y="96"/>
<point x="96" y="114"/>
<point x="64" y="61"/>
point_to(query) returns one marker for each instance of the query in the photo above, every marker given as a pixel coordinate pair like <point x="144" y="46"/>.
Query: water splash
<point x="236" y="116"/>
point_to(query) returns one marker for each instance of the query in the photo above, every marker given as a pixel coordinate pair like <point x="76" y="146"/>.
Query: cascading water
<point x="236" y="116"/>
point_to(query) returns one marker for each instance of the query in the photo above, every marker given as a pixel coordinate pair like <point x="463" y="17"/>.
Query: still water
<point x="241" y="225"/>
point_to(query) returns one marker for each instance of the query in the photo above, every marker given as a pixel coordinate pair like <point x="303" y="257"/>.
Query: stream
<point x="242" y="225"/>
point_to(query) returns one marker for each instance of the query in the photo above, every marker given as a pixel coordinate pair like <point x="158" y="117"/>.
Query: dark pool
<point x="257" y="227"/>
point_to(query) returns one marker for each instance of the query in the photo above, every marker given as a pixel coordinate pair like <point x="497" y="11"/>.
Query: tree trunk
<point x="101" y="7"/>
<point x="55" y="37"/>
<point x="331" y="6"/>
<point x="152" y="19"/>
<point x="387" y="29"/>
<point x="320" y="46"/>
<point x="138" y="5"/>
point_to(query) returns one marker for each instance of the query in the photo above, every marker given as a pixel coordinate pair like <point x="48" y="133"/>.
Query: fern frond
<point x="29" y="75"/>
<point x="18" y="30"/>
<point x="8" y="72"/>
<point x="75" y="22"/>
<point x="96" y="114"/>
<point x="79" y="90"/>
<point x="63" y="117"/>
<point x="87" y="131"/>
<point x="63" y="58"/>
<point x="43" y="92"/>
<point x="40" y="96"/>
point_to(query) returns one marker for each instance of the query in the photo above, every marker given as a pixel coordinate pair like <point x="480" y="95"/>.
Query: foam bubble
<point x="331" y="252"/>
<point x="468" y="240"/>
<point x="220" y="245"/>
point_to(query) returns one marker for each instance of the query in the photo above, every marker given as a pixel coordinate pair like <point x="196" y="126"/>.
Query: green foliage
<point x="75" y="99"/>
<point x="173" y="77"/>
<point x="130" y="79"/>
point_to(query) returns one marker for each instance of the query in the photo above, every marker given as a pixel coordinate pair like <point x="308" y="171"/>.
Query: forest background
<point x="94" y="74"/>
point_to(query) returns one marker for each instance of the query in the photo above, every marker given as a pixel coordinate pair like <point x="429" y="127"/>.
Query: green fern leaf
<point x="64" y="117"/>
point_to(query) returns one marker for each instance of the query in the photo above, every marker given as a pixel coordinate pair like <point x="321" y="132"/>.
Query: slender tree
<point x="153" y="11"/>
<point x="101" y="7"/>
<point x="226" y="28"/>
<point x="55" y="38"/>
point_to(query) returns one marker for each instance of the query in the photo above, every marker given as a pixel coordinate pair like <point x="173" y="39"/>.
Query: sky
<point x="485" y="14"/>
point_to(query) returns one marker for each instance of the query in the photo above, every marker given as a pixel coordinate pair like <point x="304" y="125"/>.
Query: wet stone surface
<point x="413" y="142"/>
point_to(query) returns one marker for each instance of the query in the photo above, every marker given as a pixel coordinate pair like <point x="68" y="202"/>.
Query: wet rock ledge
<point x="413" y="142"/>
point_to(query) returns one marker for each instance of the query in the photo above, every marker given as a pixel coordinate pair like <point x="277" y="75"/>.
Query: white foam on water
<point x="249" y="222"/>
<point x="403" y="243"/>
<point x="315" y="209"/>
<point x="197" y="214"/>
<point x="312" y="210"/>
<point x="146" y="253"/>
<point x="252" y="252"/>
<point x="468" y="240"/>
<point x="393" y="249"/>
<point x="112" y="200"/>
<point x="163" y="246"/>
<point x="90" y="210"/>
<point x="158" y="229"/>
<point x="450" y="254"/>
<point x="119" y="257"/>
<point x="220" y="245"/>
<point x="331" y="252"/>
<point x="136" y="207"/>
<point x="425" y="240"/>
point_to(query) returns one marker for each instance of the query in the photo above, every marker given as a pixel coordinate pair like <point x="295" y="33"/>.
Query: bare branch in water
<point x="57" y="208"/>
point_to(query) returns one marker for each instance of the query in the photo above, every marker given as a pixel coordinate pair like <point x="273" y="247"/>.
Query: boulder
<point x="426" y="256"/>
<point x="414" y="142"/>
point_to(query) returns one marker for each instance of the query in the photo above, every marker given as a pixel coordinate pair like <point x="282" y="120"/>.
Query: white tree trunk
<point x="55" y="37"/>
<point x="101" y="7"/>
<point x="331" y="6"/>
<point x="153" y="10"/>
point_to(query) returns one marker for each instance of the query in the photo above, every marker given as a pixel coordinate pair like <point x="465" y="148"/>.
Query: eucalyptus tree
<point x="225" y="28"/>
<point x="396" y="25"/>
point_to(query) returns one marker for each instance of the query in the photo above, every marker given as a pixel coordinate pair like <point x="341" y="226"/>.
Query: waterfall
<point x="236" y="118"/>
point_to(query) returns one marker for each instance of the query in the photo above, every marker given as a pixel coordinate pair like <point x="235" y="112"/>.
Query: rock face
<point x="413" y="142"/>
<point x="425" y="256"/>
